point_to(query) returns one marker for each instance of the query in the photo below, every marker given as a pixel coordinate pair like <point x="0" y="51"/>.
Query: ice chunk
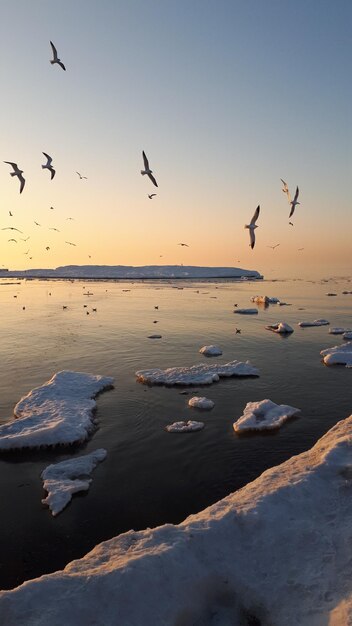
<point x="246" y="311"/>
<point x="58" y="412"/>
<point x="264" y="300"/>
<point x="154" y="337"/>
<point x="62" y="480"/>
<point x="184" y="427"/>
<point x="264" y="415"/>
<point x="338" y="355"/>
<point x="211" y="351"/>
<point x="320" y="322"/>
<point x="331" y="294"/>
<point x="347" y="335"/>
<point x="339" y="331"/>
<point x="201" y="403"/>
<point x="196" y="374"/>
<point x="281" y="327"/>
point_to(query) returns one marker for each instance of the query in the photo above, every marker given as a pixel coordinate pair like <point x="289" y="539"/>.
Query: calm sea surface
<point x="151" y="477"/>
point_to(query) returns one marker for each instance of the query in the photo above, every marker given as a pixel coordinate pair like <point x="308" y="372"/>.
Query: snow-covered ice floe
<point x="211" y="351"/>
<point x="184" y="427"/>
<point x="263" y="415"/>
<point x="246" y="311"/>
<point x="339" y="331"/>
<point x="275" y="553"/>
<point x="201" y="403"/>
<point x="338" y="355"/>
<point x="264" y="300"/>
<point x="347" y="335"/>
<point x="196" y="374"/>
<point x="62" y="480"/>
<point x="281" y="327"/>
<point x="321" y="322"/>
<point x="59" y="412"/>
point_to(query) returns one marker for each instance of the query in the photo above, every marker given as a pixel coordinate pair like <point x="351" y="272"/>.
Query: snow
<point x="339" y="331"/>
<point x="246" y="311"/>
<point x="320" y="322"/>
<point x="58" y="412"/>
<point x="338" y="355"/>
<point x="280" y="327"/>
<point x="264" y="300"/>
<point x="201" y="403"/>
<point x="264" y="415"/>
<point x="196" y="374"/>
<point x="62" y="480"/>
<point x="184" y="427"/>
<point x="276" y="552"/>
<point x="211" y="351"/>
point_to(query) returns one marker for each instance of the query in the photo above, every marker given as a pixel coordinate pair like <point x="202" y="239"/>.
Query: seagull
<point x="51" y="208"/>
<point x="56" y="58"/>
<point x="285" y="189"/>
<point x="183" y="244"/>
<point x="237" y="331"/>
<point x="273" y="247"/>
<point x="27" y="252"/>
<point x="10" y="214"/>
<point x="69" y="218"/>
<point x="291" y="223"/>
<point x="150" y="196"/>
<point x="294" y="202"/>
<point x="70" y="243"/>
<point x="15" y="240"/>
<point x="252" y="226"/>
<point x="300" y="249"/>
<point x="12" y="228"/>
<point x="36" y="223"/>
<point x="47" y="248"/>
<point x="17" y="172"/>
<point x="80" y="176"/>
<point x="26" y="239"/>
<point x="57" y="230"/>
<point x="48" y="166"/>
<point x="147" y="170"/>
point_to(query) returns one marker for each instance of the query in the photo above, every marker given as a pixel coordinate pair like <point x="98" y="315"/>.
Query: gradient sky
<point x="225" y="96"/>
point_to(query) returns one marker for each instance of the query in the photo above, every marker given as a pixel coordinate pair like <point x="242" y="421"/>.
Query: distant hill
<point x="131" y="272"/>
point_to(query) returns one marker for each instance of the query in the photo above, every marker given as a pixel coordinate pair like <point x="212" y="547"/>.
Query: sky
<point x="225" y="96"/>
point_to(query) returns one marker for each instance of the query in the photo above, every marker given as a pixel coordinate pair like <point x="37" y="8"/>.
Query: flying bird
<point x="147" y="171"/>
<point x="273" y="247"/>
<point x="70" y="243"/>
<point x="10" y="214"/>
<point x="285" y="189"/>
<point x="15" y="240"/>
<point x="294" y="202"/>
<point x="25" y="239"/>
<point x="80" y="176"/>
<point x="56" y="58"/>
<point x="252" y="226"/>
<point x="51" y="208"/>
<point x="150" y="196"/>
<point x="69" y="218"/>
<point x="300" y="249"/>
<point x="12" y="228"/>
<point x="36" y="223"/>
<point x="49" y="167"/>
<point x="57" y="230"/>
<point x="183" y="244"/>
<point x="47" y="248"/>
<point x="26" y="252"/>
<point x="291" y="223"/>
<point x="17" y="172"/>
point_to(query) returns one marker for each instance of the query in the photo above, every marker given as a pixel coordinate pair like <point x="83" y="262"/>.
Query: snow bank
<point x="338" y="355"/>
<point x="264" y="300"/>
<point x="246" y="311"/>
<point x="62" y="480"/>
<point x="201" y="403"/>
<point x="275" y="552"/>
<point x="58" y="412"/>
<point x="211" y="351"/>
<point x="184" y="427"/>
<point x="264" y="415"/>
<point x="315" y="323"/>
<point x="281" y="327"/>
<point x="196" y="374"/>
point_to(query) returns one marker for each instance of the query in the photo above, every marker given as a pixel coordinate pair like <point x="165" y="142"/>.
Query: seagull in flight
<point x="291" y="223"/>
<point x="47" y="248"/>
<point x="12" y="228"/>
<point x="294" y="202"/>
<point x="26" y="239"/>
<point x="10" y="214"/>
<point x="300" y="249"/>
<point x="285" y="189"/>
<point x="252" y="226"/>
<point x="183" y="244"/>
<point x="27" y="252"/>
<point x="273" y="247"/>
<point x="49" y="167"/>
<point x="150" y="196"/>
<point x="70" y="218"/>
<point x="56" y="58"/>
<point x="70" y="243"/>
<point x="57" y="230"/>
<point x="17" y="172"/>
<point x="80" y="176"/>
<point x="36" y="223"/>
<point x="15" y="240"/>
<point x="51" y="208"/>
<point x="147" y="170"/>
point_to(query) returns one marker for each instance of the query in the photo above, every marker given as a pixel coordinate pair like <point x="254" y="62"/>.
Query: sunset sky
<point x="225" y="96"/>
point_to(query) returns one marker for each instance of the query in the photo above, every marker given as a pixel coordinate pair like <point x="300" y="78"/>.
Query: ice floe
<point x="274" y="552"/>
<point x="211" y="351"/>
<point x="154" y="337"/>
<point x="338" y="355"/>
<point x="281" y="327"/>
<point x="347" y="335"/>
<point x="331" y="294"/>
<point x="264" y="300"/>
<point x="59" y="412"/>
<point x="264" y="415"/>
<point x="320" y="322"/>
<point x="339" y="331"/>
<point x="62" y="480"/>
<point x="201" y="403"/>
<point x="196" y="374"/>
<point x="184" y="427"/>
<point x="246" y="311"/>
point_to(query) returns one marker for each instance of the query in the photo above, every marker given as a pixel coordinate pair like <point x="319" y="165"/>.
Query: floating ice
<point x="321" y="322"/>
<point x="62" y="480"/>
<point x="184" y="427"/>
<point x="339" y="331"/>
<point x="264" y="300"/>
<point x="246" y="311"/>
<point x="274" y="552"/>
<point x="201" y="403"/>
<point x="196" y="374"/>
<point x="331" y="294"/>
<point x="211" y="351"/>
<point x="264" y="415"/>
<point x="347" y="335"/>
<point x="154" y="337"/>
<point x="58" y="412"/>
<point x="338" y="355"/>
<point x="281" y="327"/>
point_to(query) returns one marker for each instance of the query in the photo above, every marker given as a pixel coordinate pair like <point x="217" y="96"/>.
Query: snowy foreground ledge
<point x="196" y="374"/>
<point x="59" y="412"/>
<point x="276" y="550"/>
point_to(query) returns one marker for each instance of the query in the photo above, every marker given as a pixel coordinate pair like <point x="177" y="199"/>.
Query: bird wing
<point x="62" y="65"/>
<point x="54" y="51"/>
<point x="296" y="195"/>
<point x="252" y="237"/>
<point x="256" y="215"/>
<point x="49" y="159"/>
<point x="284" y="184"/>
<point x="53" y="172"/>
<point x="293" y="206"/>
<point x="145" y="160"/>
<point x="14" y="165"/>
<point x="153" y="180"/>
<point x="23" y="182"/>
